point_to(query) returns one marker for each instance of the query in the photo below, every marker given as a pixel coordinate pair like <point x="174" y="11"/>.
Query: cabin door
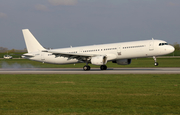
<point x="151" y="45"/>
<point x="42" y="57"/>
<point x="80" y="51"/>
<point x="119" y="51"/>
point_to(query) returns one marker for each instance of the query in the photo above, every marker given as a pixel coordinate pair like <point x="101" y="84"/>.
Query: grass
<point x="90" y="94"/>
<point x="141" y="62"/>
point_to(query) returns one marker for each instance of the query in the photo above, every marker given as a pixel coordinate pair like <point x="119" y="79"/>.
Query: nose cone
<point x="170" y="49"/>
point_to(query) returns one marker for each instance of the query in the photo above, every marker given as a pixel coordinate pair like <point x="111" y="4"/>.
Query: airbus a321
<point x="120" y="53"/>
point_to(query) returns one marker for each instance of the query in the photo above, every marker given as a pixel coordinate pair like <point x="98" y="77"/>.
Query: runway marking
<point x="92" y="71"/>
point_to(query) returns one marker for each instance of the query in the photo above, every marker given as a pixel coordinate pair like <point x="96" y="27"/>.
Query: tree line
<point x="176" y="46"/>
<point x="4" y="50"/>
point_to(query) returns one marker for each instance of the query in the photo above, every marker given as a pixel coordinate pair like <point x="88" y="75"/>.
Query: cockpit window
<point x="162" y="44"/>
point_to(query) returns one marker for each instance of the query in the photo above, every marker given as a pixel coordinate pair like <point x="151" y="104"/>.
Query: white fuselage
<point x="114" y="51"/>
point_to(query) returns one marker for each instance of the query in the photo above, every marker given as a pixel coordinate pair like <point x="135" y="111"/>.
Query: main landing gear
<point x="103" y="67"/>
<point x="87" y="67"/>
<point x="156" y="63"/>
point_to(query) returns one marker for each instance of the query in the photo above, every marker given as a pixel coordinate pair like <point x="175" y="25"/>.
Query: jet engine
<point x="122" y="61"/>
<point x="99" y="60"/>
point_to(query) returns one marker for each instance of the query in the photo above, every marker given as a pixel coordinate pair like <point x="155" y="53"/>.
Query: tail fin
<point x="31" y="43"/>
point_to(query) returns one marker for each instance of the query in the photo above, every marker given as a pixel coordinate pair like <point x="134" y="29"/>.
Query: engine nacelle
<point x="123" y="61"/>
<point x="99" y="60"/>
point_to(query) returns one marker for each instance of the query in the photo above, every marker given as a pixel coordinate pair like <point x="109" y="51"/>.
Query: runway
<point x="92" y="71"/>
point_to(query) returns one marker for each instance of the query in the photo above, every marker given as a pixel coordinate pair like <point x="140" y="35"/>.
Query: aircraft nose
<point x="171" y="49"/>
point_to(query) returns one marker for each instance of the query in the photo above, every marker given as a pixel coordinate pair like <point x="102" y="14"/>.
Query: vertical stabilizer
<point x="31" y="43"/>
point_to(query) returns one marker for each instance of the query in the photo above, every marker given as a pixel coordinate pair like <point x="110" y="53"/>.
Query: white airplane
<point x="120" y="53"/>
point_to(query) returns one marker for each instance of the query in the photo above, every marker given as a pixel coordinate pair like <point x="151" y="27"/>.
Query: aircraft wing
<point x="79" y="56"/>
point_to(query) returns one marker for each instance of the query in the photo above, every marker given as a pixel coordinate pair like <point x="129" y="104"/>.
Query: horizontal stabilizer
<point x="27" y="54"/>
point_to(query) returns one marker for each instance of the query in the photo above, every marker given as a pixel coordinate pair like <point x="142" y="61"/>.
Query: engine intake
<point x="99" y="60"/>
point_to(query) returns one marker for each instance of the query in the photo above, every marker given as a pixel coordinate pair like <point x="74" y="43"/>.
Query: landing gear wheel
<point x="103" y="67"/>
<point x="156" y="64"/>
<point x="86" y="67"/>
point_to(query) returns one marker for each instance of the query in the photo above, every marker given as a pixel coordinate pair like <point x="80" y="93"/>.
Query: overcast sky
<point x="64" y="23"/>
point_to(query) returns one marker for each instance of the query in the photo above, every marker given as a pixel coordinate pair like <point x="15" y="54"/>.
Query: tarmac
<point x="92" y="71"/>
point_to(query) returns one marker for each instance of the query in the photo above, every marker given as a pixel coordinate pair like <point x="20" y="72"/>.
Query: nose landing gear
<point x="156" y="63"/>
